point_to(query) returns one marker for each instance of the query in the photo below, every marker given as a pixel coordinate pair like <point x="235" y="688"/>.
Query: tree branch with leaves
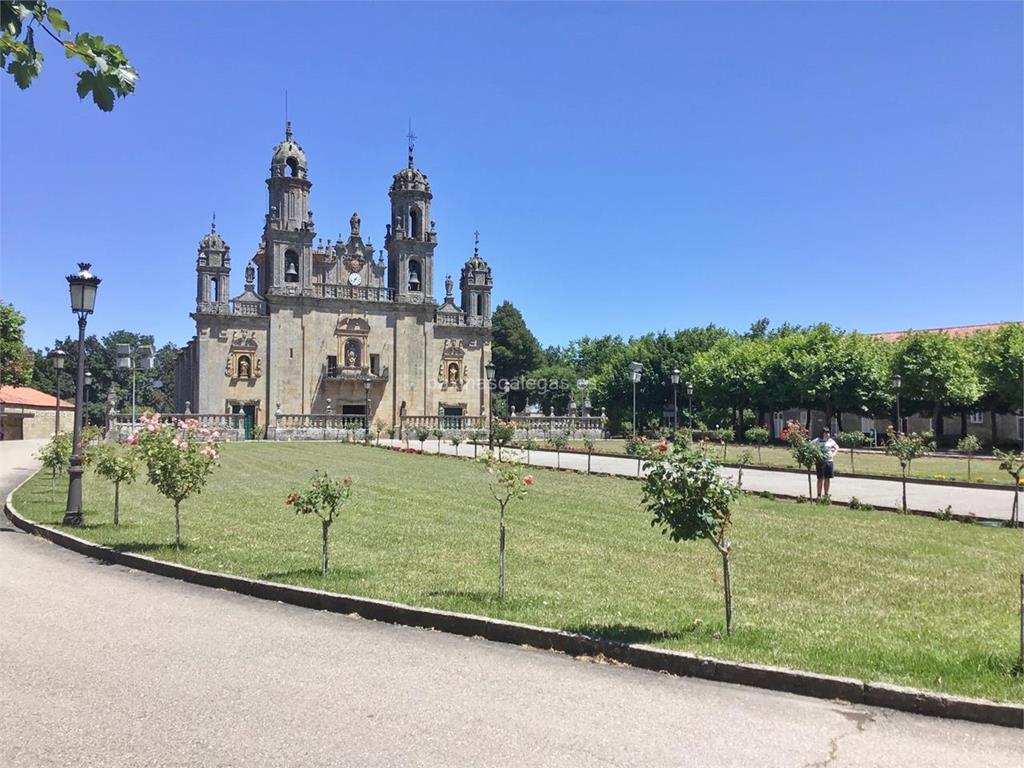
<point x="107" y="75"/>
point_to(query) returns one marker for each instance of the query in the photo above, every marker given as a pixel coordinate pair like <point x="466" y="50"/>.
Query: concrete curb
<point x="570" y="643"/>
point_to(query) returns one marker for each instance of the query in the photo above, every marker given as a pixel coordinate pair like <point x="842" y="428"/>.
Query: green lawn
<point x="983" y="470"/>
<point x="880" y="596"/>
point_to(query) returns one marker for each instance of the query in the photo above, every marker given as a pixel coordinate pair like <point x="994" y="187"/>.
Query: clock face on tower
<point x="355" y="279"/>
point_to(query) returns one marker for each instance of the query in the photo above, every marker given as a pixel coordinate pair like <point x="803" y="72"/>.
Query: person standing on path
<point x="826" y="467"/>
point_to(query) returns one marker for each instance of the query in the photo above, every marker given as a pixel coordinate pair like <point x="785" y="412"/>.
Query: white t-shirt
<point x="830" y="447"/>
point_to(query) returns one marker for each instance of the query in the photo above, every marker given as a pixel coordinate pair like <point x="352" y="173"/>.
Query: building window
<point x="375" y="365"/>
<point x="332" y="366"/>
<point x="978" y="417"/>
<point x="415" y="223"/>
<point x="478" y="300"/>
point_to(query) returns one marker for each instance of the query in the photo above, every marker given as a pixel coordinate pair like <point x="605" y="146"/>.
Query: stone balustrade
<point x="537" y="427"/>
<point x="317" y="426"/>
<point x="230" y="426"/>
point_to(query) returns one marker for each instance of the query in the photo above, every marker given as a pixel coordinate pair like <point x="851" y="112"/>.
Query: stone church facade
<point x="331" y="329"/>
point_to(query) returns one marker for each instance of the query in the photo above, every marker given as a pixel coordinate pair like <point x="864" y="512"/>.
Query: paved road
<point x="104" y="666"/>
<point x="994" y="503"/>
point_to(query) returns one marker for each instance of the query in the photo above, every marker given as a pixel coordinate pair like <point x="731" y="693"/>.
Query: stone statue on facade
<point x="354" y="223"/>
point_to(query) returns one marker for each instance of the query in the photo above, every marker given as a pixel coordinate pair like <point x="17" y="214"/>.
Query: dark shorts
<point x="826" y="470"/>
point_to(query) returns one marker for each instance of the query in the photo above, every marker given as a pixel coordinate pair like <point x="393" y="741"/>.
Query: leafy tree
<point x="477" y="436"/>
<point x="851" y="440"/>
<point x="732" y="376"/>
<point x="438" y="433"/>
<point x="588" y="445"/>
<point x="324" y="497"/>
<point x="515" y="351"/>
<point x="724" y="435"/>
<point x="508" y="484"/>
<point x="1012" y="463"/>
<point x="554" y="386"/>
<point x="15" y="358"/>
<point x="55" y="456"/>
<point x="107" y="74"/>
<point x="456" y="441"/>
<point x="804" y="452"/>
<point x="938" y="373"/>
<point x="529" y="444"/>
<point x="117" y="466"/>
<point x="745" y="459"/>
<point x="758" y="436"/>
<point x="970" y="445"/>
<point x="179" y="459"/>
<point x="690" y="500"/>
<point x="999" y="357"/>
<point x="378" y="427"/>
<point x="503" y="432"/>
<point x="558" y="441"/>
<point x="422" y="433"/>
<point x="906" y="448"/>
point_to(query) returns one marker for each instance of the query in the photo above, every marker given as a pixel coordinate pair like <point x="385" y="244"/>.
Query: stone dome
<point x="289" y="158"/>
<point x="410" y="179"/>
<point x="212" y="241"/>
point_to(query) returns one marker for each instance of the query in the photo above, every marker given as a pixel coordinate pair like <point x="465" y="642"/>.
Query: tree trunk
<point x="852" y="470"/>
<point x="1014" y="515"/>
<point x="326" y="528"/>
<point x="968" y="468"/>
<point x="117" y="503"/>
<point x="177" y="525"/>
<point x="727" y="584"/>
<point x="963" y="423"/>
<point x="903" y="473"/>
<point x="810" y="494"/>
<point x="828" y="415"/>
<point x="739" y="479"/>
<point x="588" y="462"/>
<point x="1020" y="662"/>
<point x="995" y="429"/>
<point x="839" y="420"/>
<point x="940" y="427"/>
<point x="558" y="458"/>
<point x="501" y="555"/>
<point x="474" y="448"/>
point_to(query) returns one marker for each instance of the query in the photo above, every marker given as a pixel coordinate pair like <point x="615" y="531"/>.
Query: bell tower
<point x="288" y="232"/>
<point x="411" y="237"/>
<point x="475" y="285"/>
<point x="213" y="272"/>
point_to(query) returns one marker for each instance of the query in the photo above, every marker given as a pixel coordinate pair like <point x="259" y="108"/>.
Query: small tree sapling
<point x="324" y="497"/>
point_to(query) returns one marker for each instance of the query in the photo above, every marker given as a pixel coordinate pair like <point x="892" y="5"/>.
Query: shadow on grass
<point x="629" y="633"/>
<point x="141" y="547"/>
<point x="307" y="575"/>
<point x="474" y="601"/>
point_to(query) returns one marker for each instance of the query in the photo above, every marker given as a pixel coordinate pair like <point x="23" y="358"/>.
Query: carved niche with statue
<point x="352" y="333"/>
<point x="451" y="374"/>
<point x="243" y="364"/>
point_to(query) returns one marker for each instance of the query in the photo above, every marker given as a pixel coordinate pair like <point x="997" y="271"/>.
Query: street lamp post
<point x="489" y="370"/>
<point x="88" y="388"/>
<point x="689" y="407"/>
<point x="83" y="301"/>
<point x="366" y="432"/>
<point x="675" y="401"/>
<point x="635" y="370"/>
<point x="58" y="356"/>
<point x="139" y="358"/>
<point x="897" y="382"/>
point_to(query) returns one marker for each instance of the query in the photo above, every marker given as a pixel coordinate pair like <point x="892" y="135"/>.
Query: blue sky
<point x="630" y="167"/>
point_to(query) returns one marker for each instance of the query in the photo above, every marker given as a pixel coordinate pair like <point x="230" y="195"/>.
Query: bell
<point x="291" y="272"/>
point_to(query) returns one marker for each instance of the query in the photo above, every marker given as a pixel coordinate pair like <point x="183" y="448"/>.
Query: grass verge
<point x="872" y="595"/>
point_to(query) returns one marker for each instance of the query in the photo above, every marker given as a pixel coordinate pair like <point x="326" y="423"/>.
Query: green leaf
<point x="86" y="80"/>
<point x="103" y="96"/>
<point x="25" y="70"/>
<point x="57" y="20"/>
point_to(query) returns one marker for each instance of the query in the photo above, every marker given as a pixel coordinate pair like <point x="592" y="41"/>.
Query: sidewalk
<point x="993" y="503"/>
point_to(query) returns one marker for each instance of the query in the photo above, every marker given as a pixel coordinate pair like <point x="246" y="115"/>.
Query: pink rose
<point x="133" y="438"/>
<point x="528" y="479"/>
<point x="183" y="445"/>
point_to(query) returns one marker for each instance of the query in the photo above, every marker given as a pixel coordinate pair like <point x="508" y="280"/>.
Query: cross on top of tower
<point x="213" y="224"/>
<point x="476" y="243"/>
<point x="412" y="142"/>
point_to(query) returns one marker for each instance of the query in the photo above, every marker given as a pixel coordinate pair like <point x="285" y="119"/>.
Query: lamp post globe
<point x="57" y="356"/>
<point x="82" y="285"/>
<point x="489" y="372"/>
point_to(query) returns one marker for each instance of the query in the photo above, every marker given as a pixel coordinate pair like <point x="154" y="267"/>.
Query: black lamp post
<point x="689" y="406"/>
<point x="675" y="400"/>
<point x="489" y="370"/>
<point x="58" y="356"/>
<point x="83" y="286"/>
<point x="897" y="382"/>
<point x="366" y="432"/>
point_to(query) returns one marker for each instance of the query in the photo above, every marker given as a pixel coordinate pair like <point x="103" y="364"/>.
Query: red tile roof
<point x="30" y="398"/>
<point x="956" y="330"/>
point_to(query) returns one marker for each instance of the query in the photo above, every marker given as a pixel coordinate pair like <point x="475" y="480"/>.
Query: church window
<point x="214" y="291"/>
<point x="477" y="300"/>
<point x="414" y="275"/>
<point x="293" y="166"/>
<point x="332" y="366"/>
<point x="375" y="365"/>
<point x="291" y="267"/>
